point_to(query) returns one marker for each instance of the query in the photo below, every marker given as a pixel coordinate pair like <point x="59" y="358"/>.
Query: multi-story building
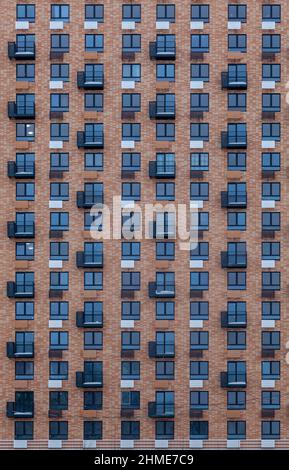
<point x="137" y="342"/>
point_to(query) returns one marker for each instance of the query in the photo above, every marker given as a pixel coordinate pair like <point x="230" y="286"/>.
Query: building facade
<point x="136" y="340"/>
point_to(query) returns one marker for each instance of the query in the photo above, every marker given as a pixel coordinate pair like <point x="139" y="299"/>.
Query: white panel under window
<point x="268" y="204"/>
<point x="268" y="25"/>
<point x="196" y="383"/>
<point x="56" y="25"/>
<point x="127" y="204"/>
<point x="233" y="443"/>
<point x="56" y="85"/>
<point x="127" y="444"/>
<point x="127" y="324"/>
<point x="196" y="263"/>
<point x="56" y="144"/>
<point x="196" y="324"/>
<point x="268" y="263"/>
<point x="55" y="263"/>
<point x="89" y="444"/>
<point x="197" y="25"/>
<point x="127" y="263"/>
<point x="162" y="25"/>
<point x="19" y="444"/>
<point x="196" y="85"/>
<point x="268" y="324"/>
<point x="55" y="323"/>
<point x="196" y="444"/>
<point x="196" y="144"/>
<point x="161" y="443"/>
<point x="267" y="443"/>
<point x="268" y="144"/>
<point x="268" y="84"/>
<point x="234" y="24"/>
<point x="268" y="384"/>
<point x="90" y="25"/>
<point x="126" y="383"/>
<point x="127" y="144"/>
<point x="196" y="204"/>
<point x="22" y="25"/>
<point x="54" y="383"/>
<point x="55" y="204"/>
<point x="128" y="84"/>
<point x="128" y="25"/>
<point x="54" y="444"/>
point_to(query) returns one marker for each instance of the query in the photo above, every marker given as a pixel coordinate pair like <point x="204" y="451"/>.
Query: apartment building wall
<point x="218" y="176"/>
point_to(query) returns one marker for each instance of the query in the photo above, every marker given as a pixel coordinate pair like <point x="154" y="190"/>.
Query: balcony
<point x="19" y="410"/>
<point x="231" y="200"/>
<point x="156" y="350"/>
<point x="161" y="111"/>
<point x="85" y="260"/>
<point x="162" y="52"/>
<point x="229" y="380"/>
<point x="16" y="170"/>
<point x="86" y="199"/>
<point x="89" y="380"/>
<point x="233" y="81"/>
<point x="15" y="230"/>
<point x="24" y="51"/>
<point x="90" y="81"/>
<point x="89" y="320"/>
<point x="162" y="170"/>
<point x="233" y="140"/>
<point x="16" y="111"/>
<point x="161" y="410"/>
<point x="233" y="260"/>
<point x="19" y="350"/>
<point x="233" y="320"/>
<point x="161" y="290"/>
<point x="92" y="140"/>
<point x="20" y="290"/>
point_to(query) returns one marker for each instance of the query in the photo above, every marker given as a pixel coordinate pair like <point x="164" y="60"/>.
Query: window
<point x="199" y="310"/>
<point x="59" y="310"/>
<point x="59" y="72"/>
<point x="58" y="340"/>
<point x="271" y="43"/>
<point x="131" y="191"/>
<point x="58" y="430"/>
<point x="58" y="370"/>
<point x="270" y="400"/>
<point x="165" y="310"/>
<point x="236" y="280"/>
<point x="237" y="13"/>
<point x="58" y="400"/>
<point x="199" y="370"/>
<point x="131" y="72"/>
<point x="59" y="102"/>
<point x="199" y="191"/>
<point x="199" y="132"/>
<point x="271" y="221"/>
<point x="271" y="72"/>
<point x="271" y="131"/>
<point x="271" y="191"/>
<point x="131" y="223"/>
<point x="165" y="72"/>
<point x="165" y="370"/>
<point x="93" y="280"/>
<point x="199" y="340"/>
<point x="200" y="72"/>
<point x="93" y="161"/>
<point x="25" y="13"/>
<point x="25" y="162"/>
<point x="130" y="430"/>
<point x="59" y="191"/>
<point x="166" y="44"/>
<point x="25" y="191"/>
<point x="237" y="101"/>
<point x="92" y="430"/>
<point x="130" y="310"/>
<point x="130" y="370"/>
<point x="271" y="339"/>
<point x="92" y="401"/>
<point x="199" y="430"/>
<point x="93" y="221"/>
<point x="59" y="221"/>
<point x="94" y="13"/>
<point x="200" y="13"/>
<point x="201" y="250"/>
<point x="165" y="250"/>
<point x="236" y="161"/>
<point x="164" y="430"/>
<point x="199" y="161"/>
<point x="271" y="102"/>
<point x="165" y="131"/>
<point x="92" y="340"/>
<point x="237" y="42"/>
<point x="59" y="251"/>
<point x="24" y="310"/>
<point x="271" y="280"/>
<point x="59" y="42"/>
<point x="236" y="312"/>
<point x="131" y="102"/>
<point x="165" y="191"/>
<point x="25" y="131"/>
<point x="200" y="43"/>
<point x="236" y="400"/>
<point x="23" y="430"/>
<point x="270" y="370"/>
<point x="270" y="429"/>
<point x="131" y="161"/>
<point x="93" y="101"/>
<point x="59" y="161"/>
<point x="130" y="340"/>
<point x="130" y="251"/>
<point x="130" y="400"/>
<point x="59" y="280"/>
<point x="59" y="132"/>
<point x="60" y="13"/>
<point x="94" y="42"/>
<point x="24" y="370"/>
<point x="236" y="340"/>
<point x="25" y="72"/>
<point x="165" y="343"/>
<point x="199" y="400"/>
<point x="131" y="13"/>
<point x="131" y="43"/>
<point x="271" y="13"/>
<point x="236" y="429"/>
<point x="199" y="102"/>
<point x="199" y="280"/>
<point x="271" y="161"/>
<point x="24" y="250"/>
<point x="131" y="132"/>
<point x="271" y="311"/>
<point x="130" y="280"/>
<point x="166" y="13"/>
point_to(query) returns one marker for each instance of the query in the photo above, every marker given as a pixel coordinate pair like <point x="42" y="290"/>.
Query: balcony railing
<point x="89" y="80"/>
<point x="161" y="290"/>
<point x="16" y="170"/>
<point x="233" y="380"/>
<point x="16" y="289"/>
<point x="88" y="380"/>
<point x="19" y="410"/>
<point x="161" y="350"/>
<point x="89" y="320"/>
<point x="235" y="260"/>
<point x="164" y="51"/>
<point x="238" y="199"/>
<point x="161" y="111"/>
<point x="16" y="111"/>
<point x="161" y="170"/>
<point x="234" y="80"/>
<point x="234" y="140"/>
<point x="16" y="230"/>
<point x="15" y="350"/>
<point x="233" y="320"/>
<point x="22" y="51"/>
<point x="161" y="410"/>
<point x="85" y="260"/>
<point x="87" y="139"/>
<point x="88" y="198"/>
